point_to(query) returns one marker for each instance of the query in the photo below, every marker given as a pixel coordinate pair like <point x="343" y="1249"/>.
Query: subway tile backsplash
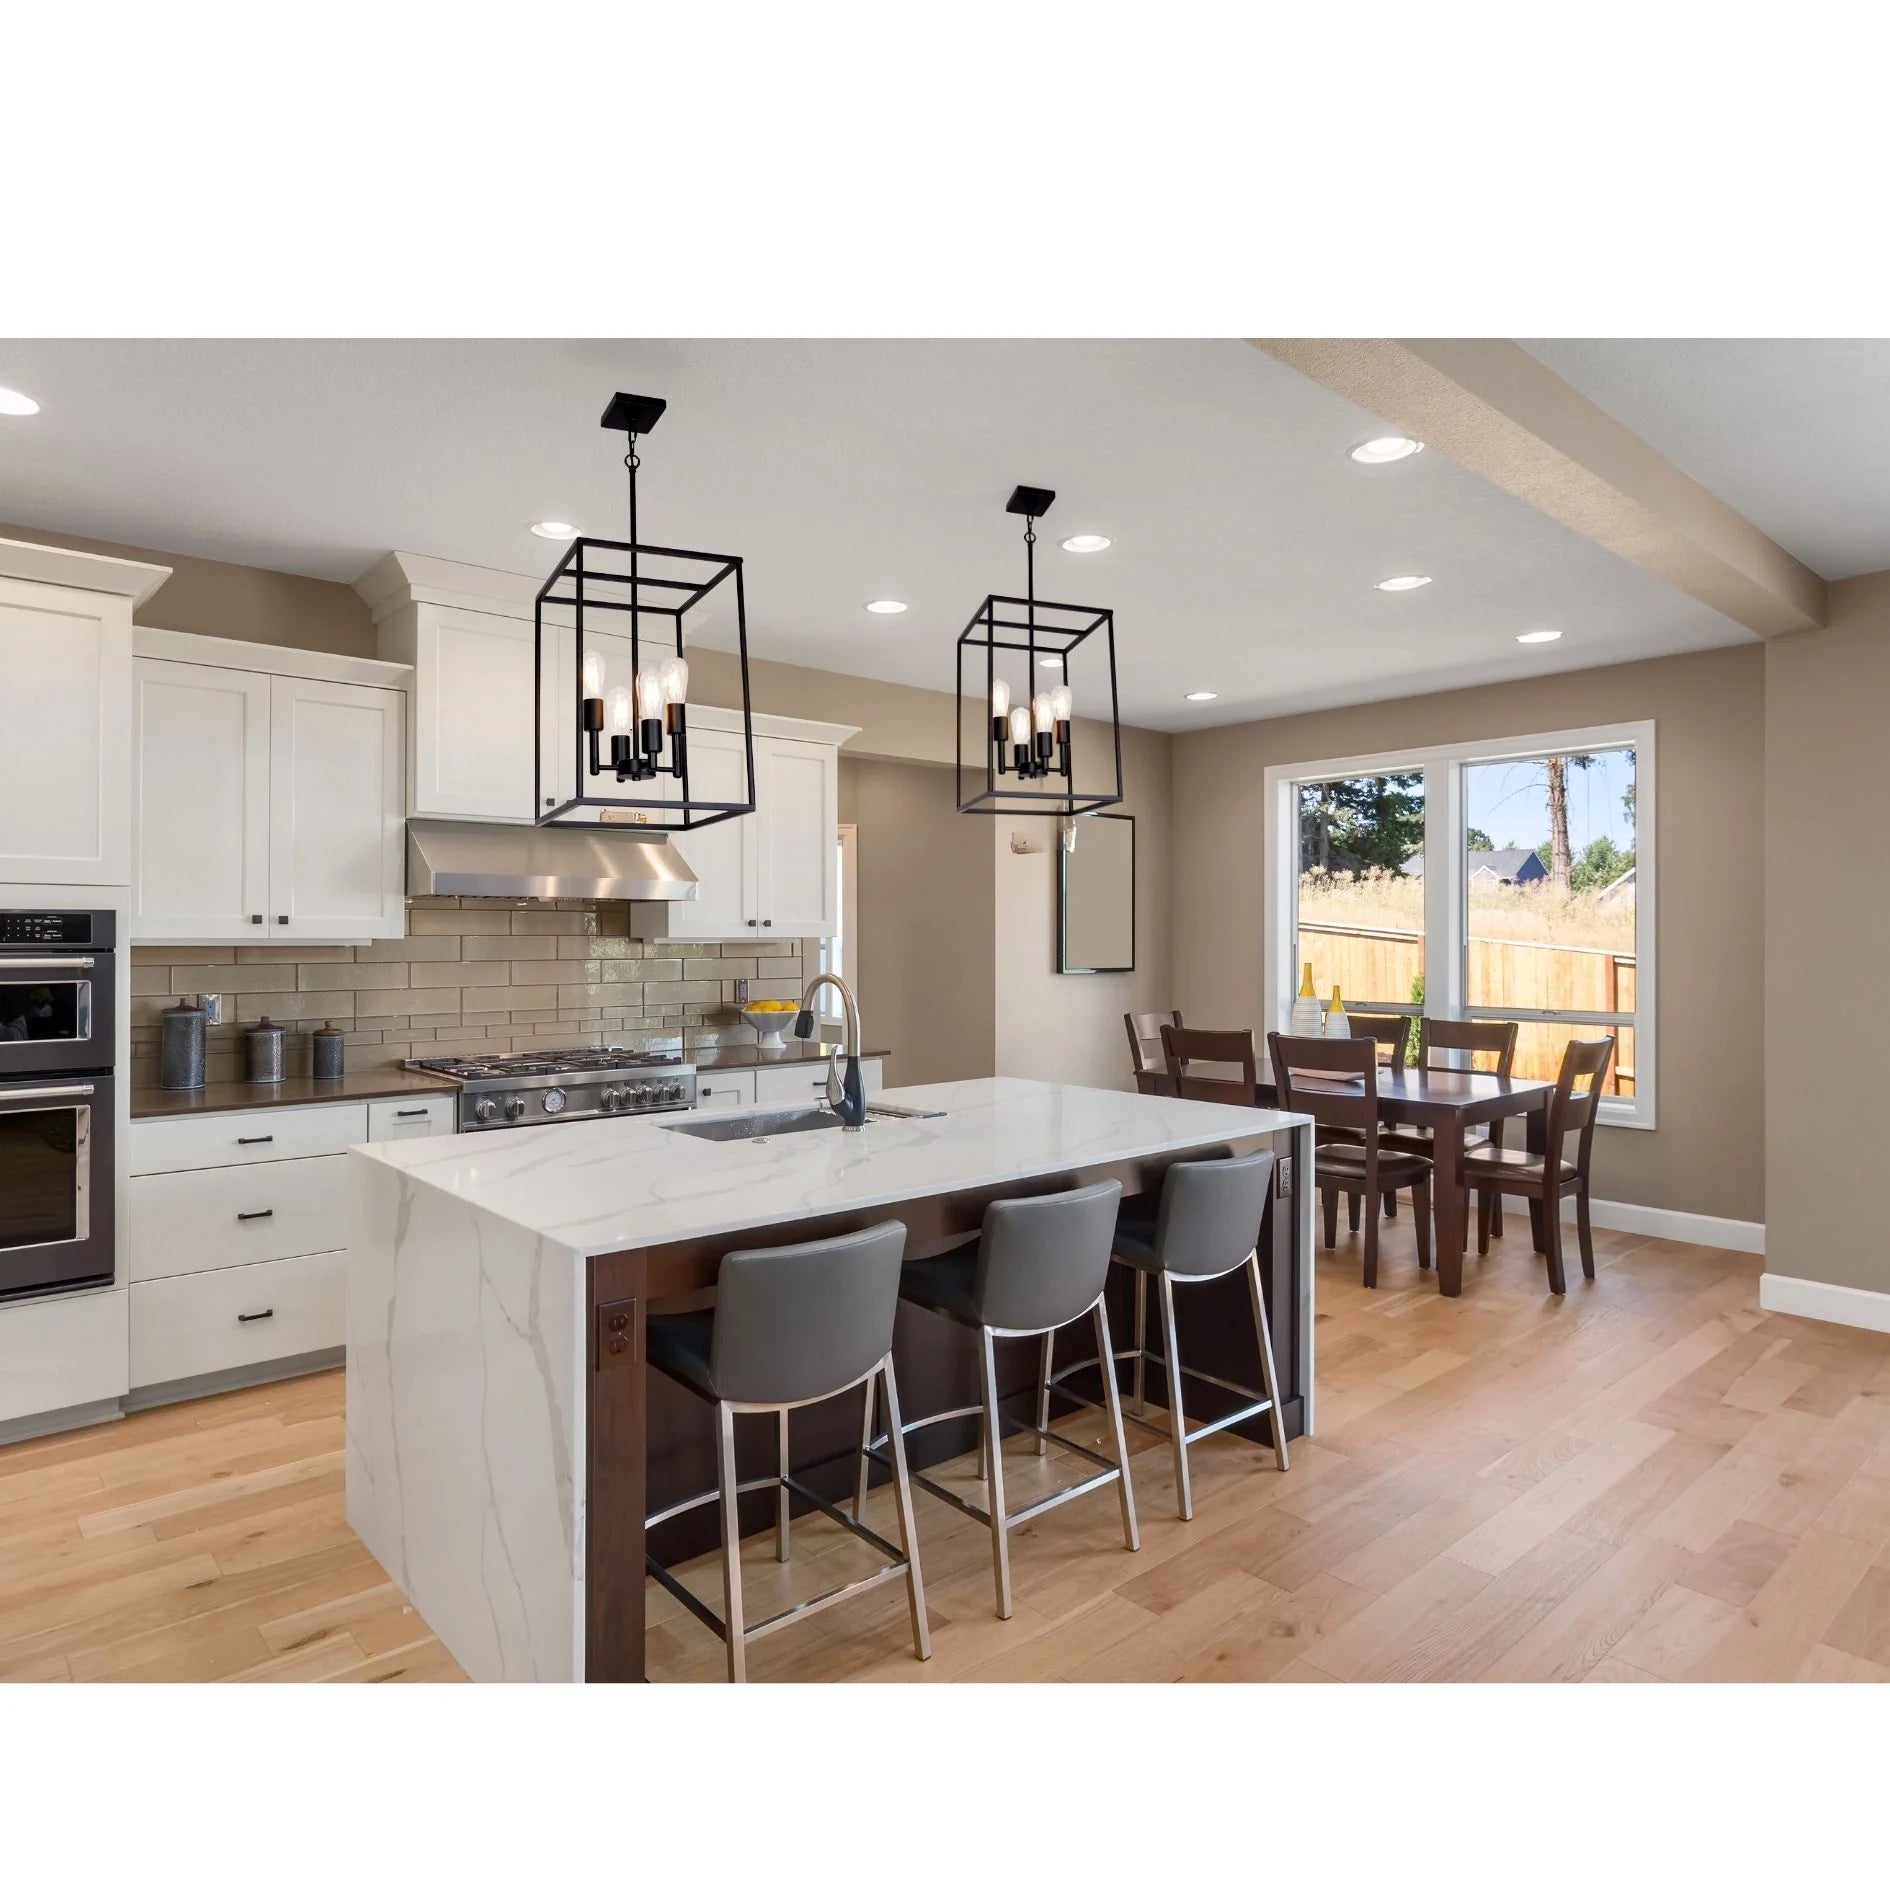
<point x="471" y="975"/>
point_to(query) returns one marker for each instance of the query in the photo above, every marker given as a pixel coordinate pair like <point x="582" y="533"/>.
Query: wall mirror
<point x="1096" y="931"/>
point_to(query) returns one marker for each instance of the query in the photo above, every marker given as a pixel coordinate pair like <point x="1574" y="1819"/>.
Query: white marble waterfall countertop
<point x="595" y="1187"/>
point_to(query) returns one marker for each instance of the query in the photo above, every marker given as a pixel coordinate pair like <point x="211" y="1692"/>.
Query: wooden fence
<point x="1386" y="967"/>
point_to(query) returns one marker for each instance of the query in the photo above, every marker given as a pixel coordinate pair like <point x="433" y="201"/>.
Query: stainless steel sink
<point x="754" y="1125"/>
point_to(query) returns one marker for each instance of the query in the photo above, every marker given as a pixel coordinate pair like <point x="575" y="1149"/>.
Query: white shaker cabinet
<point x="65" y="655"/>
<point x="337" y="836"/>
<point x="268" y="807"/>
<point x="200" y="815"/>
<point x="472" y="715"/>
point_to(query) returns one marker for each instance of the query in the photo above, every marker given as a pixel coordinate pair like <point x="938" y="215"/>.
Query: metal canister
<point x="262" y="1050"/>
<point x="327" y="1046"/>
<point x="181" y="1047"/>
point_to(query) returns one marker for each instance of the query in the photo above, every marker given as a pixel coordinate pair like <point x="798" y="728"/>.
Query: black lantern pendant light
<point x="1022" y="713"/>
<point x="609" y="635"/>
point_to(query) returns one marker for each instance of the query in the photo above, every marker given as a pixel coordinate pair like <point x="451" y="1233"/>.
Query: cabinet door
<point x="798" y="795"/>
<point x="722" y="857"/>
<point x="200" y="804"/>
<point x="336" y="837"/>
<point x="472" y="715"/>
<point x="65" y="677"/>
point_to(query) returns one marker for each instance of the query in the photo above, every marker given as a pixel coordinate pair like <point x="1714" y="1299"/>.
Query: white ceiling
<point x="1793" y="434"/>
<point x="1246" y="547"/>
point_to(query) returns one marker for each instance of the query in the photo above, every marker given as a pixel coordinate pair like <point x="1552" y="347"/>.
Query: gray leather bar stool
<point x="1036" y="1265"/>
<point x="792" y="1326"/>
<point x="1207" y="1225"/>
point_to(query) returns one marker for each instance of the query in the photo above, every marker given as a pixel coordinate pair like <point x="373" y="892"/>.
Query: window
<point x="1360" y="914"/>
<point x="1501" y="879"/>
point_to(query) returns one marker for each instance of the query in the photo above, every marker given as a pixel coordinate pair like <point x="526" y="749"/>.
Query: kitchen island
<point x="502" y="1433"/>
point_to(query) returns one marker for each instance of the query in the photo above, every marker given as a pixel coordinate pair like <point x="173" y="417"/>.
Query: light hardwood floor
<point x="1651" y="1480"/>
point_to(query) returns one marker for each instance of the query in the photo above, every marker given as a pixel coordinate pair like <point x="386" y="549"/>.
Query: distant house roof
<point x="1618" y="891"/>
<point x="1517" y="866"/>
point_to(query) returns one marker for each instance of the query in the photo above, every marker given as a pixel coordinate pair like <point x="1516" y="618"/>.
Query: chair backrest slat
<point x="1229" y="1049"/>
<point x="1494" y="1038"/>
<point x="1145" y="1039"/>
<point x="1578" y="1092"/>
<point x="1348" y="1108"/>
<point x="1391" y="1032"/>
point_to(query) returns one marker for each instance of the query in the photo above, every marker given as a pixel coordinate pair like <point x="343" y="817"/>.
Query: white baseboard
<point x="1816" y="1299"/>
<point x="1699" y="1230"/>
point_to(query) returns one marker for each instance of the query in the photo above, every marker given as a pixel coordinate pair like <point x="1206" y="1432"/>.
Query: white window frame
<point x="1445" y="940"/>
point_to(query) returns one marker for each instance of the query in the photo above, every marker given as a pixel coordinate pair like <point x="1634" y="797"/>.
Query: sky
<point x="1509" y="800"/>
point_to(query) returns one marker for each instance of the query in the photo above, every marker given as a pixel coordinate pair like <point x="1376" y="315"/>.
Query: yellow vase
<point x="1306" y="1019"/>
<point x="1336" y="1024"/>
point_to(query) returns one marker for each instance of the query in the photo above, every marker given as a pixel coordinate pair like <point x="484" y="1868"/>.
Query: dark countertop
<point x="752" y="1056"/>
<point x="147" y="1100"/>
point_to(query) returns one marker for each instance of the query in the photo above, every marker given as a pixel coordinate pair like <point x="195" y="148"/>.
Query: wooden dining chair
<point x="1361" y="1170"/>
<point x="1145" y="1039"/>
<point x="1391" y="1034"/>
<point x="1491" y="1047"/>
<point x="1543" y="1180"/>
<point x="1229" y="1050"/>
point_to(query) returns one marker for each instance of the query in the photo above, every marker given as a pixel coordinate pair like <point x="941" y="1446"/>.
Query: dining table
<point x="1447" y="1102"/>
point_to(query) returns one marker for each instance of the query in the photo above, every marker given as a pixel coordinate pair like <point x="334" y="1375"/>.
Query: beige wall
<point x="924" y="967"/>
<point x="1827" y="765"/>
<point x="237" y="600"/>
<point x="1710" y="715"/>
<point x="1069" y="1028"/>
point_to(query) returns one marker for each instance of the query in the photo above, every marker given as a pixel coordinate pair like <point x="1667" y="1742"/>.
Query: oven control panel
<point x="68" y="930"/>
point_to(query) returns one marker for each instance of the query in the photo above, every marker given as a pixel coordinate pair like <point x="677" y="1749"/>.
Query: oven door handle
<point x="46" y="964"/>
<point x="50" y="1092"/>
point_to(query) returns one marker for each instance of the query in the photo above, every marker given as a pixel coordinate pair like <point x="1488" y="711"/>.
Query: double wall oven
<point x="58" y="1029"/>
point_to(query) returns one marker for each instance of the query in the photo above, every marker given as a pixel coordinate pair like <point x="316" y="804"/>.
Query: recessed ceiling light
<point x="14" y="402"/>
<point x="1383" y="452"/>
<point x="1410" y="582"/>
<point x="1538" y="636"/>
<point x="1202" y="695"/>
<point x="1049" y="662"/>
<point x="1087" y="541"/>
<point x="886" y="607"/>
<point x="554" y="528"/>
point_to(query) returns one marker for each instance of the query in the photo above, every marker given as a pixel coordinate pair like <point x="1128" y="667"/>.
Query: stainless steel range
<point x="523" y="1087"/>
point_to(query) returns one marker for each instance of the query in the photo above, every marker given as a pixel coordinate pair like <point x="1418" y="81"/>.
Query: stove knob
<point x="640" y="1096"/>
<point x="514" y="1108"/>
<point x="485" y="1109"/>
<point x="611" y="1099"/>
<point x="672" y="1092"/>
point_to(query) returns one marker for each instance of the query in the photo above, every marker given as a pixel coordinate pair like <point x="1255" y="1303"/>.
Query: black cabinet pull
<point x="259" y="1214"/>
<point x="754" y="921"/>
<point x="255" y="918"/>
<point x="249" y="1318"/>
<point x="282" y="918"/>
<point x="410" y="1112"/>
<point x="767" y="921"/>
<point x="248" y="1141"/>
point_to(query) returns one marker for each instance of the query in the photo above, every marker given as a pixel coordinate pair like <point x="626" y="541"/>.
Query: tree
<point x="1555" y="768"/>
<point x="1368" y="823"/>
<point x="1600" y="864"/>
<point x="1478" y="841"/>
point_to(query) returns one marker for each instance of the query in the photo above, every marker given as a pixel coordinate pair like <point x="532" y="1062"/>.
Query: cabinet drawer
<point x="797" y="1082"/>
<point x="218" y="1322"/>
<point x="403" y="1116"/>
<point x="57" y="1354"/>
<point x="724" y="1089"/>
<point x="246" y="1135"/>
<point x="198" y="1220"/>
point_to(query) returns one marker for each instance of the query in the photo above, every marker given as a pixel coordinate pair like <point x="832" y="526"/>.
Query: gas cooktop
<point x="515" y="1089"/>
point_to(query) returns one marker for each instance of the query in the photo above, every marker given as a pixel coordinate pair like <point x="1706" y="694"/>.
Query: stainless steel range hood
<point x="485" y="860"/>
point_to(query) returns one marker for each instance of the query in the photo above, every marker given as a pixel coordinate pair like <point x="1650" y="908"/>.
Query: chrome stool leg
<point x="1141" y="1341"/>
<point x="908" y="1525"/>
<point x="1177" y="1419"/>
<point x="1131" y="1536"/>
<point x="1043" y="1394"/>
<point x="1276" y="1422"/>
<point x="731" y="1547"/>
<point x="866" y="1447"/>
<point x="781" y="1545"/>
<point x="994" y="1472"/>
